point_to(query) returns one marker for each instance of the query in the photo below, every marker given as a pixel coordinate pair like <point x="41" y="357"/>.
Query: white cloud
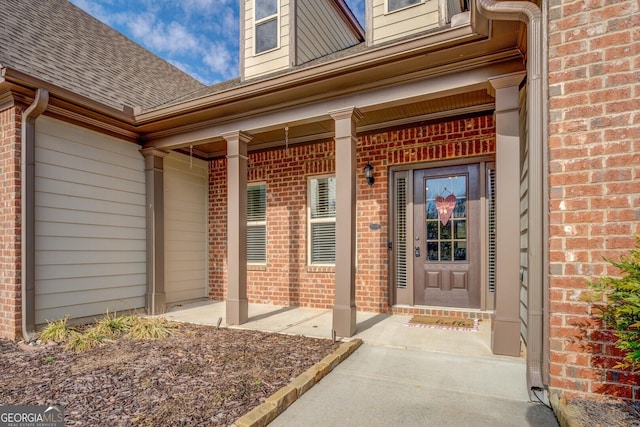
<point x="171" y="38"/>
<point x="220" y="60"/>
<point x="94" y="9"/>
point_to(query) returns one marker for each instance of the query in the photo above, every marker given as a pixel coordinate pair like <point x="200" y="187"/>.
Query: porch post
<point x="344" y="310"/>
<point x="154" y="174"/>
<point x="237" y="302"/>
<point x="506" y="325"/>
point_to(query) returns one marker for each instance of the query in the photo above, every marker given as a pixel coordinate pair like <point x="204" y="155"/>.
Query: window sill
<point x="321" y="269"/>
<point x="256" y="267"/>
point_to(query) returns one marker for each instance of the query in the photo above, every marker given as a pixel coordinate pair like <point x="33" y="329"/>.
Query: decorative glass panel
<point x="432" y="251"/>
<point x="446" y="223"/>
<point x="432" y="230"/>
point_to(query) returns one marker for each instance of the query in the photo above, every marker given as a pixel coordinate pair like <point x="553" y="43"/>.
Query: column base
<point x="344" y="320"/>
<point x="156" y="303"/>
<point x="505" y="337"/>
<point x="237" y="311"/>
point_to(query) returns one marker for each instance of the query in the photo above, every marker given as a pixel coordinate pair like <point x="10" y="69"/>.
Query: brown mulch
<point x="199" y="376"/>
<point x="596" y="413"/>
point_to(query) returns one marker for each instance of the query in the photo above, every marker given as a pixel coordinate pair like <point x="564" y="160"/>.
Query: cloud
<point x="220" y="60"/>
<point x="94" y="9"/>
<point x="171" y="38"/>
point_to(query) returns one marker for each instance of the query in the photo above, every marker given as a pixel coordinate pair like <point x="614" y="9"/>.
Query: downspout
<point x="28" y="167"/>
<point x="531" y="15"/>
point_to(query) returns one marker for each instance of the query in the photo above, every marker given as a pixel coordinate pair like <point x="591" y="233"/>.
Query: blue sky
<point x="201" y="37"/>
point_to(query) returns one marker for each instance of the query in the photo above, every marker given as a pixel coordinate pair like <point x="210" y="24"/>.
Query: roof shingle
<point x="57" y="42"/>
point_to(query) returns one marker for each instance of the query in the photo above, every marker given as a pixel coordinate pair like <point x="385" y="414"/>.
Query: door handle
<point x="417" y="251"/>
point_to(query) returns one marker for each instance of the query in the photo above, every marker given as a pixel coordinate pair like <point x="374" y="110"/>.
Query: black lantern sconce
<point x="368" y="174"/>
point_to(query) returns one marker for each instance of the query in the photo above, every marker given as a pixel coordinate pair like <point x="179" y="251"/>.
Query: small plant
<point x="112" y="325"/>
<point x="57" y="331"/>
<point x="89" y="339"/>
<point x="49" y="359"/>
<point x="616" y="302"/>
<point x="150" y="329"/>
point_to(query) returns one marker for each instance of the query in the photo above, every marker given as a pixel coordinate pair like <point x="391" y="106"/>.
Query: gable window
<point x="393" y="5"/>
<point x="257" y="224"/>
<point x="266" y="25"/>
<point x="322" y="220"/>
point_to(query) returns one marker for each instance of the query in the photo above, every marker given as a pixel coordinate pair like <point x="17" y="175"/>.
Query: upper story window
<point x="393" y="5"/>
<point x="257" y="224"/>
<point x="266" y="25"/>
<point x="322" y="220"/>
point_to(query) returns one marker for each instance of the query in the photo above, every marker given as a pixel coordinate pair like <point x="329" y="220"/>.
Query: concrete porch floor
<point x="400" y="376"/>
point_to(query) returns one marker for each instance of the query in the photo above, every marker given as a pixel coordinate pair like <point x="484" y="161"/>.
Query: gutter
<point x="28" y="166"/>
<point x="537" y="314"/>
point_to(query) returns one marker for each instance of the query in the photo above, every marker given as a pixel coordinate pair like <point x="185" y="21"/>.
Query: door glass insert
<point x="446" y="217"/>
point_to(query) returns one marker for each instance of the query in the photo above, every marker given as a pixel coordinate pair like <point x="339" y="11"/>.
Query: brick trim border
<point x="283" y="398"/>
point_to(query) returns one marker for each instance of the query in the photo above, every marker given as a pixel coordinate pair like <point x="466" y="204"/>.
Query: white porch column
<point x="506" y="325"/>
<point x="344" y="310"/>
<point x="154" y="174"/>
<point x="237" y="303"/>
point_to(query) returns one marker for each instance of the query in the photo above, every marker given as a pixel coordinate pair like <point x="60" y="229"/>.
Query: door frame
<point x="405" y="296"/>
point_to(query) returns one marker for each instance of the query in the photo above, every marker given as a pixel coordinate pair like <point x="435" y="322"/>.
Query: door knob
<point x="417" y="251"/>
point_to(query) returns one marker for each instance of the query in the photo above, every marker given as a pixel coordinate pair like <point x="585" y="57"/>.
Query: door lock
<point x="417" y="251"/>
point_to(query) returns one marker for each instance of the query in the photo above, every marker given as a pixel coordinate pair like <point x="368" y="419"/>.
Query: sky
<point x="200" y="37"/>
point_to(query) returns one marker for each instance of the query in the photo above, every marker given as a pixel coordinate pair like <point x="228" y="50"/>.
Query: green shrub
<point x="616" y="303"/>
<point x="111" y="325"/>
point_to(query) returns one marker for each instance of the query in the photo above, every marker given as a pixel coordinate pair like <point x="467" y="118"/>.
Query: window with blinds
<point x="322" y="220"/>
<point x="491" y="209"/>
<point x="401" y="231"/>
<point x="257" y="224"/>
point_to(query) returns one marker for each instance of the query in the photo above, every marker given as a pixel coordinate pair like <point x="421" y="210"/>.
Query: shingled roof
<point x="57" y="42"/>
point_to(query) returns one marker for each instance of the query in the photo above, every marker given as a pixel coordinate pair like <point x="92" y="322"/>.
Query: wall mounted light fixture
<point x="368" y="174"/>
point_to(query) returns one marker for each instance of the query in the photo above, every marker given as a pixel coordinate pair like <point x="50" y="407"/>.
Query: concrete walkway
<point x="400" y="376"/>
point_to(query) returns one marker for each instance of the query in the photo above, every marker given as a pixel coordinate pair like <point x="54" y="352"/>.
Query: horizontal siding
<point x="90" y="223"/>
<point x="185" y="228"/>
<point x="269" y="62"/>
<point x="320" y="31"/>
<point x="404" y="22"/>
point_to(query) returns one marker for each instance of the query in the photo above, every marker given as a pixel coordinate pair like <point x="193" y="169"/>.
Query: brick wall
<point x="594" y="87"/>
<point x="287" y="279"/>
<point x="10" y="281"/>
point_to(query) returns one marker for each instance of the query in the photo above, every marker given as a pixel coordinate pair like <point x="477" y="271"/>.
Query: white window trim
<point x="260" y="223"/>
<point x="316" y="221"/>
<point x="256" y="22"/>
<point x="387" y="11"/>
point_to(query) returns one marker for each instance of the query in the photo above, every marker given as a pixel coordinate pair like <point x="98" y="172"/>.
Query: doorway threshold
<point x="424" y="310"/>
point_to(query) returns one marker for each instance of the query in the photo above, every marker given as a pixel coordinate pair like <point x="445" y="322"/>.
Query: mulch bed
<point x="199" y="376"/>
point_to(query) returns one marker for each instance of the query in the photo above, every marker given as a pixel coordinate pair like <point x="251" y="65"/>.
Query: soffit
<point x="344" y="76"/>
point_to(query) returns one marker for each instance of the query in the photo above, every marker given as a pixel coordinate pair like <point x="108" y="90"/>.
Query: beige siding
<point x="320" y="31"/>
<point x="524" y="216"/>
<point x="403" y="22"/>
<point x="271" y="61"/>
<point x="90" y="223"/>
<point x="185" y="228"/>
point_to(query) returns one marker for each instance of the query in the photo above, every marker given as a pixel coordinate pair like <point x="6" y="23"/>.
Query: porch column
<point x="237" y="302"/>
<point x="506" y="325"/>
<point x="154" y="175"/>
<point x="344" y="310"/>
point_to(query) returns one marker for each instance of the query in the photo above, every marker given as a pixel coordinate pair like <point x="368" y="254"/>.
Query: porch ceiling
<point x="373" y="119"/>
<point x="402" y="88"/>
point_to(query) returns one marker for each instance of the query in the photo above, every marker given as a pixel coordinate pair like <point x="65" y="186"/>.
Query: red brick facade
<point x="287" y="279"/>
<point x="10" y="280"/>
<point x="594" y="87"/>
